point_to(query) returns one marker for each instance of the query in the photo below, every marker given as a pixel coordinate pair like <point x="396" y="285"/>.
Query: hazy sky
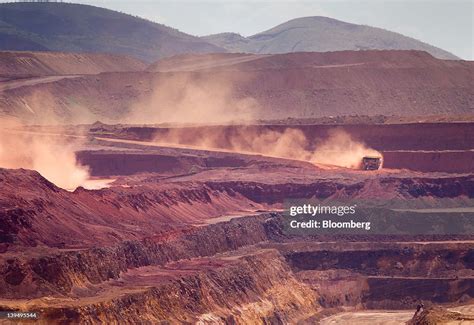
<point x="444" y="23"/>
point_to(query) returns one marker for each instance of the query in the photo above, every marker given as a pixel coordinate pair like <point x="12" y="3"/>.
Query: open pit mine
<point x="120" y="205"/>
<point x="181" y="234"/>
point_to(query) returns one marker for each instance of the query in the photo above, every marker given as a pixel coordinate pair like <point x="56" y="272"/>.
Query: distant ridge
<point x="67" y="27"/>
<point x="322" y="34"/>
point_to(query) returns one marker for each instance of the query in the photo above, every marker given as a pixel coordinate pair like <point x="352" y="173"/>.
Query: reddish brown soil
<point x="405" y="83"/>
<point x="439" y="315"/>
<point x="431" y="161"/>
<point x="160" y="190"/>
<point x="149" y="273"/>
<point x="144" y="249"/>
<point x="44" y="214"/>
<point x="34" y="211"/>
<point x="34" y="64"/>
<point x="233" y="61"/>
<point x="85" y="256"/>
<point x="192" y="62"/>
<point x="384" y="137"/>
<point x="426" y="147"/>
<point x="168" y="161"/>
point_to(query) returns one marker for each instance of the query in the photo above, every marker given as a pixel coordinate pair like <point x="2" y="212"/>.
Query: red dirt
<point x="384" y="137"/>
<point x="144" y="249"/>
<point x="426" y="147"/>
<point x="405" y="83"/>
<point x="34" y="211"/>
<point x="431" y="161"/>
<point x="29" y="64"/>
<point x="385" y="58"/>
<point x="193" y="62"/>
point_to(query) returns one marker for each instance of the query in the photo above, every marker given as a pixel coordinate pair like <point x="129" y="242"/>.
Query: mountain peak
<point x="323" y="34"/>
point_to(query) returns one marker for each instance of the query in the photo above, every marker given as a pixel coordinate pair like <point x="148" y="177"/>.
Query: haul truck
<point x="371" y="162"/>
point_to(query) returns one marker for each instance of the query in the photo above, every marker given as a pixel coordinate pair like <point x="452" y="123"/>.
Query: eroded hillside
<point x="300" y="85"/>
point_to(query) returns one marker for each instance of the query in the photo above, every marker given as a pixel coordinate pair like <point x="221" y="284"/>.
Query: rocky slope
<point x="35" y="212"/>
<point x="44" y="214"/>
<point x="321" y="34"/>
<point x="146" y="248"/>
<point x="254" y="289"/>
<point x="265" y="277"/>
<point x="439" y="315"/>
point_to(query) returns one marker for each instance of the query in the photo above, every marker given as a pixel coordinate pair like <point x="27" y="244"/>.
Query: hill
<point x="322" y="34"/>
<point x="32" y="64"/>
<point x="296" y="85"/>
<point x="82" y="28"/>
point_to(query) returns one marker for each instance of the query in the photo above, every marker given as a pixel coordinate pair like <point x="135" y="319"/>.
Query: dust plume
<point x="43" y="107"/>
<point x="337" y="149"/>
<point x="52" y="156"/>
<point x="341" y="150"/>
<point x="287" y="144"/>
<point x="194" y="99"/>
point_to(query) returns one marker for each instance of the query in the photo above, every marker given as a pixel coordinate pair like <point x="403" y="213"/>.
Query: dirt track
<point x="13" y="84"/>
<point x="382" y="317"/>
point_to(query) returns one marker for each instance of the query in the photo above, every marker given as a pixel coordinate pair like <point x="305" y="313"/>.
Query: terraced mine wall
<point x="411" y="136"/>
<point x="396" y="261"/>
<point x="431" y="161"/>
<point x="244" y="257"/>
<point x="111" y="162"/>
<point x="426" y="147"/>
<point x="446" y="187"/>
<point x="406" y="292"/>
<point x="254" y="289"/>
<point x="255" y="277"/>
<point x="58" y="273"/>
<point x="119" y="163"/>
<point x="160" y="207"/>
<point x="410" y="272"/>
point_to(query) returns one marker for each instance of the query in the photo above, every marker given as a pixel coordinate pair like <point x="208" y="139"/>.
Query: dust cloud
<point x="52" y="156"/>
<point x="342" y="150"/>
<point x="338" y="149"/>
<point x="200" y="99"/>
<point x="194" y="99"/>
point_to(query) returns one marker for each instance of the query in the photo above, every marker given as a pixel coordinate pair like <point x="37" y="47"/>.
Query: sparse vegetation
<point x="80" y="28"/>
